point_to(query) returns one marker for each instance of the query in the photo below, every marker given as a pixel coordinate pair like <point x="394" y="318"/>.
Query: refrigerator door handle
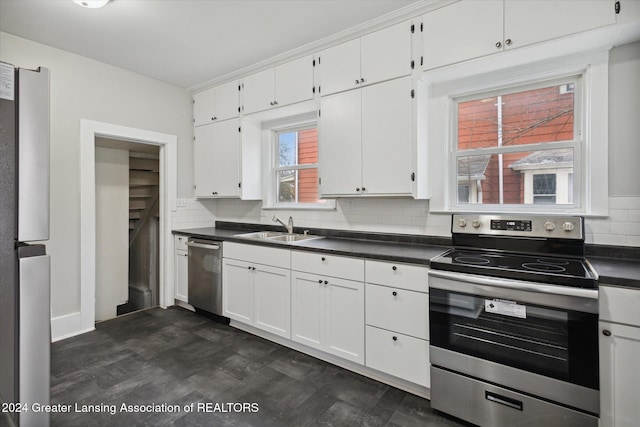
<point x="35" y="335"/>
<point x="33" y="155"/>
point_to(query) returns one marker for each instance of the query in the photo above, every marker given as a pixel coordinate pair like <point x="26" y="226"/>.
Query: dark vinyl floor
<point x="178" y="358"/>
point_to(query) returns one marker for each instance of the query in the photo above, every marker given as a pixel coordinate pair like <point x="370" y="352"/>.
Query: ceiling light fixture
<point x="91" y="4"/>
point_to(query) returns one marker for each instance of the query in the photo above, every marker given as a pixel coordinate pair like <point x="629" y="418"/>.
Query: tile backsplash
<point x="394" y="215"/>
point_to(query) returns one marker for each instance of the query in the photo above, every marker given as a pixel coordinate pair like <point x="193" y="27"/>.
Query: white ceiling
<point x="187" y="42"/>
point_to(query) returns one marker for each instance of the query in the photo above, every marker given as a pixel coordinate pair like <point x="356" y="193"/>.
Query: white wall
<point x="84" y="88"/>
<point x="112" y="231"/>
<point x="397" y="215"/>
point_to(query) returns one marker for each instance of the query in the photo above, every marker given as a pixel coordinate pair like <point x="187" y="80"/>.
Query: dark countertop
<point x="375" y="249"/>
<point x="611" y="271"/>
<point x="618" y="272"/>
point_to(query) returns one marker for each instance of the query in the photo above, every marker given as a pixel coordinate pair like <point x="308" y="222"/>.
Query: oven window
<point x="561" y="344"/>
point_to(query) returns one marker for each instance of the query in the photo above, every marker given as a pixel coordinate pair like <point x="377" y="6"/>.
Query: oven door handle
<point x="565" y="297"/>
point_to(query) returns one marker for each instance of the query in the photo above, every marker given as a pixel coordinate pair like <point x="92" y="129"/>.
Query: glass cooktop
<point x="552" y="270"/>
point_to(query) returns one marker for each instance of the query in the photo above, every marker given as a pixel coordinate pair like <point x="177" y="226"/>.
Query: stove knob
<point x="549" y="226"/>
<point x="475" y="223"/>
<point x="462" y="223"/>
<point x="568" y="226"/>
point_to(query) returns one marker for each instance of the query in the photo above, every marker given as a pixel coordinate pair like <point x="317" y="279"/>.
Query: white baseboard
<point x="67" y="326"/>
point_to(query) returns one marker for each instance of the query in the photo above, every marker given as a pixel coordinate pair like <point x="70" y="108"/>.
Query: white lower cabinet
<point x="328" y="312"/>
<point x="254" y="292"/>
<point x="397" y="319"/>
<point x="399" y="355"/>
<point x="181" y="263"/>
<point x="619" y="355"/>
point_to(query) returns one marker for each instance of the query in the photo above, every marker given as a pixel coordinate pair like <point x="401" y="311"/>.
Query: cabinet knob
<point x="507" y="42"/>
<point x="214" y="118"/>
<point x="320" y="281"/>
<point x="395" y="338"/>
<point x="358" y="189"/>
<point x="275" y="102"/>
<point x="271" y="103"/>
<point x="326" y="282"/>
<point x="498" y="45"/>
<point x="606" y="333"/>
<point x="357" y="81"/>
<point x="394" y="293"/>
<point x="394" y="268"/>
<point x="363" y="188"/>
<point x="361" y="80"/>
<point x="249" y="267"/>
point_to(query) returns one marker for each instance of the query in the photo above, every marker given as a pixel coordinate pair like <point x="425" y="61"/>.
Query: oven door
<point x="539" y="339"/>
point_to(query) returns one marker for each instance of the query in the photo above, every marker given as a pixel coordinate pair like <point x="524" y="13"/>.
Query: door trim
<point x="89" y="130"/>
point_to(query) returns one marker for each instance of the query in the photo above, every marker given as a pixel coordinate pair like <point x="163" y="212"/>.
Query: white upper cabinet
<point x="216" y="104"/>
<point x="376" y="57"/>
<point x="471" y="29"/>
<point x="366" y="142"/>
<point x="276" y="87"/>
<point x="532" y="21"/>
<point x="217" y="159"/>
<point x="461" y="31"/>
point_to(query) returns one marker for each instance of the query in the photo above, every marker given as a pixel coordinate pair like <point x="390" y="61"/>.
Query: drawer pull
<point x="394" y="293"/>
<point x="502" y="400"/>
<point x="394" y="268"/>
<point x="606" y="333"/>
<point x="395" y="338"/>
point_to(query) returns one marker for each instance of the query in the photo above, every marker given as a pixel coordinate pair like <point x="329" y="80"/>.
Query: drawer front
<point x="328" y="265"/>
<point x="257" y="254"/>
<point x="403" y="357"/>
<point x="181" y="242"/>
<point x="405" y="276"/>
<point x="619" y="305"/>
<point x="398" y="310"/>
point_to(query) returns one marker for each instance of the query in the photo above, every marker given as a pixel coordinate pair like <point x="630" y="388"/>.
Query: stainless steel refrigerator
<point x="25" y="313"/>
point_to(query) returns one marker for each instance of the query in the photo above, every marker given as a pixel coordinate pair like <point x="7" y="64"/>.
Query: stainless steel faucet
<point x="288" y="226"/>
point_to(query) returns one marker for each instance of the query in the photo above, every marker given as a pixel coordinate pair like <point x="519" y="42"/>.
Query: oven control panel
<point x="556" y="227"/>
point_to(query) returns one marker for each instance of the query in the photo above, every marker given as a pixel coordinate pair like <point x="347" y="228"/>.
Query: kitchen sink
<point x="290" y="238"/>
<point x="260" y="235"/>
<point x="278" y="236"/>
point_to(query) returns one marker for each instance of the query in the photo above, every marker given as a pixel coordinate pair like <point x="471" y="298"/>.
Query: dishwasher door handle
<point x="203" y="246"/>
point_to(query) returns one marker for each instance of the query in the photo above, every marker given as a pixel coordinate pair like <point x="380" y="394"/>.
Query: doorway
<point x="85" y="320"/>
<point x="127" y="198"/>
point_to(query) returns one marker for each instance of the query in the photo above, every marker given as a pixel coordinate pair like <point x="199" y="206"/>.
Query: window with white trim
<point x="518" y="145"/>
<point x="293" y="173"/>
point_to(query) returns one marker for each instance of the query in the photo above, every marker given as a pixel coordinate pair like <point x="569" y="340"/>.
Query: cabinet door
<point x="182" y="276"/>
<point x="237" y="290"/>
<point x="307" y="309"/>
<point x="204" y="104"/>
<point x="619" y="375"/>
<point x="227" y="101"/>
<point x="294" y="81"/>
<point x="386" y="138"/>
<point x="340" y="148"/>
<point x="386" y="54"/>
<point x="272" y="299"/>
<point x="400" y="355"/>
<point x="203" y="156"/>
<point x="531" y="21"/>
<point x="258" y="91"/>
<point x="340" y="67"/>
<point x="225" y="164"/>
<point x="344" y="319"/>
<point x="463" y="30"/>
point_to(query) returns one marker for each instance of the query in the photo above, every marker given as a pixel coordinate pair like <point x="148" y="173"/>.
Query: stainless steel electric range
<point x="514" y="323"/>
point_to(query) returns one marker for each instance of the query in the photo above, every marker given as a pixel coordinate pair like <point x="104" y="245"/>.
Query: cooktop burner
<point x="553" y="270"/>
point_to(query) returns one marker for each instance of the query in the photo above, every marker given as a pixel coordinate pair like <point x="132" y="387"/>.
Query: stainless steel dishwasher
<point x="205" y="275"/>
